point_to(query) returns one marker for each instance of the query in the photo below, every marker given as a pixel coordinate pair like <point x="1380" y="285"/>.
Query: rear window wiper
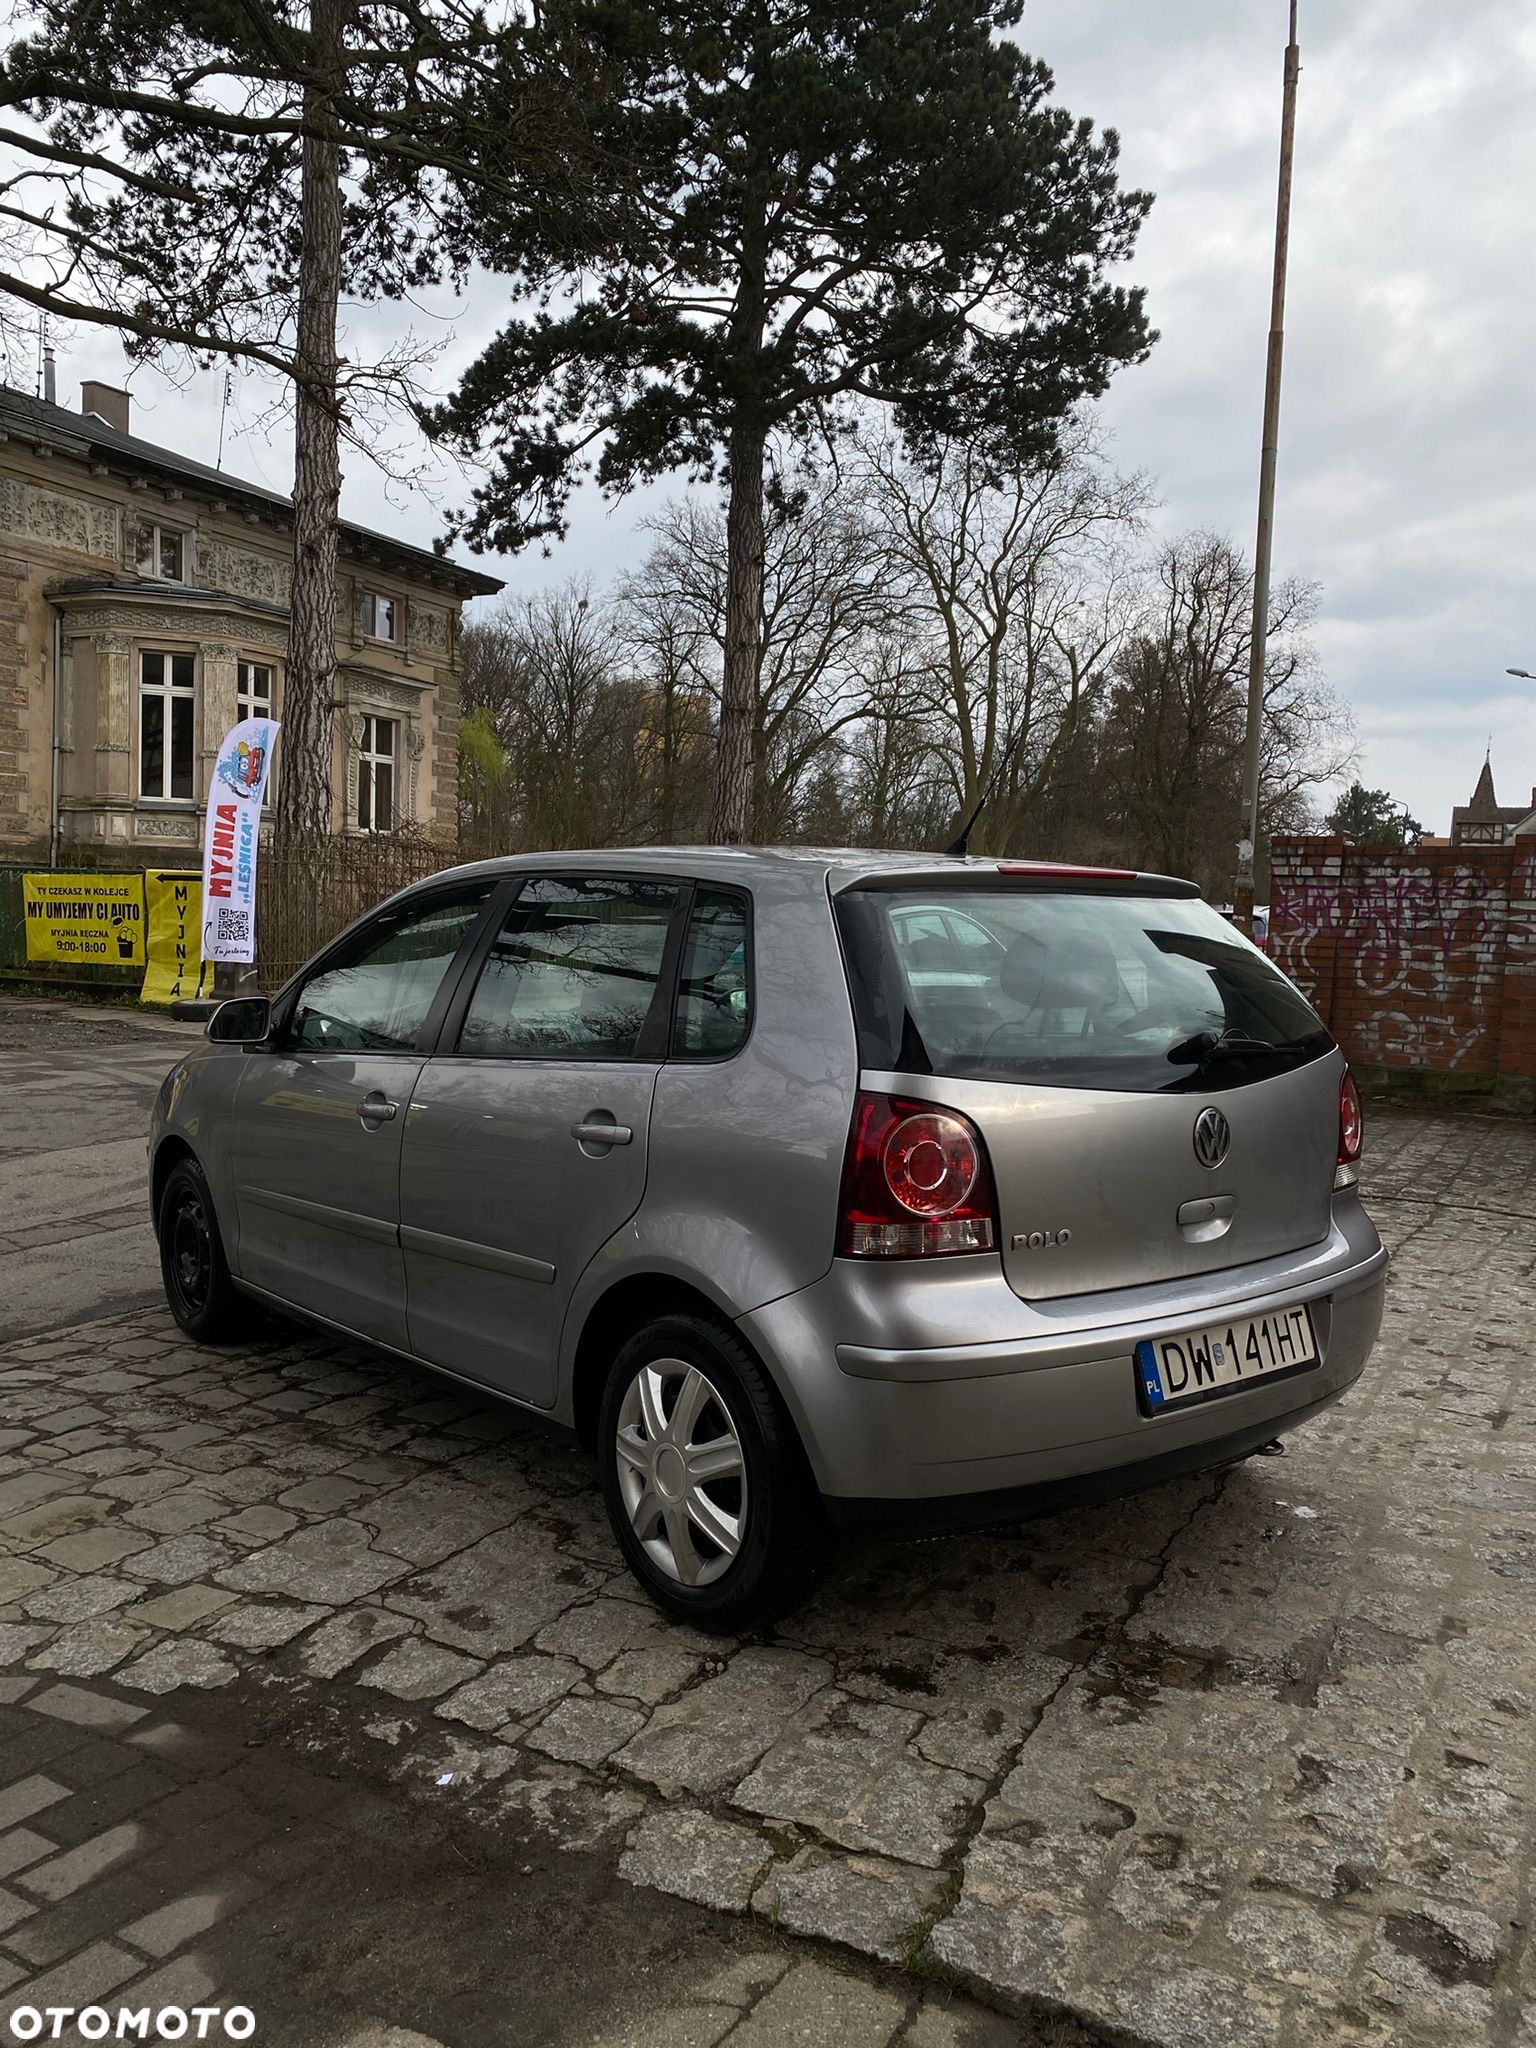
<point x="1206" y="1046"/>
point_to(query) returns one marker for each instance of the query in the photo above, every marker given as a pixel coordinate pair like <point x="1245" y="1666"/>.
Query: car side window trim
<point x="651" y="1045"/>
<point x="715" y="1059"/>
<point x="497" y="894"/>
<point x="449" y="1025"/>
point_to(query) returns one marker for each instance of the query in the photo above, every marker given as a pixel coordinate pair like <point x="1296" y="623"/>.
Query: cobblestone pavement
<point x="1247" y="1760"/>
<point x="230" y="1854"/>
<point x="76" y="1089"/>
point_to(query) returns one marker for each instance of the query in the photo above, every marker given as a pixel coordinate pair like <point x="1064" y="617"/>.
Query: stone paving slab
<point x="260" y="1871"/>
<point x="1248" y="1759"/>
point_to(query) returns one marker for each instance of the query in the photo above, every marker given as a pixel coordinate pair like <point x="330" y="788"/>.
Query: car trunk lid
<point x="1098" y="1189"/>
<point x="1156" y="1099"/>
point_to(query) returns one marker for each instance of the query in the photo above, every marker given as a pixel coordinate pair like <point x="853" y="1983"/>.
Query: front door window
<point x="378" y="996"/>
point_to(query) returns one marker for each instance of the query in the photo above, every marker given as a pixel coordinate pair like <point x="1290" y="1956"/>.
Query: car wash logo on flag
<point x="233" y="840"/>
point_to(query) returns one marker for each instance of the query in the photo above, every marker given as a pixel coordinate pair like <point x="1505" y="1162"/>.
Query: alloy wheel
<point x="682" y="1475"/>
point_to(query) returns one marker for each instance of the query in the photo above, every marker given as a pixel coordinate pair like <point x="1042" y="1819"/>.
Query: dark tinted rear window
<point x="1075" y="990"/>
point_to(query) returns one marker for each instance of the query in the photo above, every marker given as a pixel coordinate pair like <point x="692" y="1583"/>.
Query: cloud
<point x="1407" y="473"/>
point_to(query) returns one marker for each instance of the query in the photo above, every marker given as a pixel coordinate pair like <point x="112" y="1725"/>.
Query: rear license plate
<point x="1173" y="1372"/>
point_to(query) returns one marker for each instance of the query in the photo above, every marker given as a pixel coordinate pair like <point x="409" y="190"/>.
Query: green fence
<point x="13" y="923"/>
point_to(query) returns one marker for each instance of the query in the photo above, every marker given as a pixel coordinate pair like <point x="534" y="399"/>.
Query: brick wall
<point x="1418" y="961"/>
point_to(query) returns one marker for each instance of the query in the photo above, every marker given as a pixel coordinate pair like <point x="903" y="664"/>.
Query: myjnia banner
<point x="232" y="840"/>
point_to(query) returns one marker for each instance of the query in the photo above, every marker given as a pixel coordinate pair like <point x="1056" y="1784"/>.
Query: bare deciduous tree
<point x="967" y="641"/>
<point x="574" y="733"/>
<point x="1171" y="747"/>
<point x="1017" y="584"/>
<point x="825" y="591"/>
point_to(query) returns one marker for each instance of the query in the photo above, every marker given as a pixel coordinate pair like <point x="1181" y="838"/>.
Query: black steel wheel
<point x="201" y="1295"/>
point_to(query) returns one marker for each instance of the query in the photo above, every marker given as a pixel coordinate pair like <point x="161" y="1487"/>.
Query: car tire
<point x="193" y="1269"/>
<point x="706" y="1484"/>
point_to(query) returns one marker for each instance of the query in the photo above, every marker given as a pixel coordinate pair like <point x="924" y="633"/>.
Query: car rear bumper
<point x="1052" y="1496"/>
<point x="1041" y="1399"/>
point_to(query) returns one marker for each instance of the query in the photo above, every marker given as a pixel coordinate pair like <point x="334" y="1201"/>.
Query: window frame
<point x="369" y="760"/>
<point x="253" y="710"/>
<point x="367" y="596"/>
<point x="651" y="1047"/>
<point x="285" y="1005"/>
<point x="714" y="1059"/>
<point x="243" y="663"/>
<point x="168" y="694"/>
<point x="159" y="529"/>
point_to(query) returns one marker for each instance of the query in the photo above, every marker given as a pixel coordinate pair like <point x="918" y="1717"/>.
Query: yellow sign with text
<point x="175" y="906"/>
<point x="89" y="920"/>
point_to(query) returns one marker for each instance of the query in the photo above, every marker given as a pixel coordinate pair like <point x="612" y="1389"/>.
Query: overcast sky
<point x="1407" y="483"/>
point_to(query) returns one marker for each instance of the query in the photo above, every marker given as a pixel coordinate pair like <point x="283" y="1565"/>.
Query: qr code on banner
<point x="232" y="925"/>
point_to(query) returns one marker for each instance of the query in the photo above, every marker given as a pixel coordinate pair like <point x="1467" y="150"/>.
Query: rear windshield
<point x="1079" y="991"/>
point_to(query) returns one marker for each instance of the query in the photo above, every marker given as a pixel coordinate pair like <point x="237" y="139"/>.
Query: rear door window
<point x="1078" y="990"/>
<point x="574" y="972"/>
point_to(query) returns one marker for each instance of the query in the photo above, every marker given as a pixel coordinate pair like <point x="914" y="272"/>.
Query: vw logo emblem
<point x="1213" y="1137"/>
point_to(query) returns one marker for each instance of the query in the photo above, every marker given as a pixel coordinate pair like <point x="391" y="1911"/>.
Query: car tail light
<point x="1351" y="1133"/>
<point x="916" y="1183"/>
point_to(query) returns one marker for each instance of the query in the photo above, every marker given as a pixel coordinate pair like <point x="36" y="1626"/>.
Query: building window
<point x="253" y="690"/>
<point x="163" y="553"/>
<point x="381" y="616"/>
<point x="376" y="774"/>
<point x="165" y="725"/>
<point x="253" y="699"/>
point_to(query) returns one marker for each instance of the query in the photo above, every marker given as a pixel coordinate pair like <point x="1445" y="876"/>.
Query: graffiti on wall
<point x="1421" y="945"/>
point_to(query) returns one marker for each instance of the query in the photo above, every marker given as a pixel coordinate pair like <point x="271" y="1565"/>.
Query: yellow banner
<point x="175" y="907"/>
<point x="87" y="919"/>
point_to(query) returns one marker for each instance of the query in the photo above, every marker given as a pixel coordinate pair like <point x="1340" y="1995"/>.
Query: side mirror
<point x="247" y="1020"/>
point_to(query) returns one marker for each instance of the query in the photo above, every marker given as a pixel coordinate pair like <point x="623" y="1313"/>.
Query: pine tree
<point x="833" y="204"/>
<point x="1373" y="817"/>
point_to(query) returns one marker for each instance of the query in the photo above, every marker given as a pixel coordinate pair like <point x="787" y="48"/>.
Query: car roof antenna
<point x="960" y="846"/>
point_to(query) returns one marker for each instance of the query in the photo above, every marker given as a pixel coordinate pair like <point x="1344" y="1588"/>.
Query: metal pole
<point x="1242" y="901"/>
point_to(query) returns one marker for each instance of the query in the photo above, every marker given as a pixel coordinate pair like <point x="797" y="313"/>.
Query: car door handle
<point x="598" y="1131"/>
<point x="376" y="1109"/>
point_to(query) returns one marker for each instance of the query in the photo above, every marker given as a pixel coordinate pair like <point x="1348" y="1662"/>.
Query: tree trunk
<point x="745" y="451"/>
<point x="666" y="822"/>
<point x="743" y="637"/>
<point x="309" y="690"/>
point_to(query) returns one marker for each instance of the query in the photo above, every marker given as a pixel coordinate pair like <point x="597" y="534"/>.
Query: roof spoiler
<point x="1061" y="878"/>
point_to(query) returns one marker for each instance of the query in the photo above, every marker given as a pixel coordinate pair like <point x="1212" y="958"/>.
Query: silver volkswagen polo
<point x="807" y="1188"/>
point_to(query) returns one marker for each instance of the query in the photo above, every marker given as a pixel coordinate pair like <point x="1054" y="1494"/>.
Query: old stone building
<point x="148" y="595"/>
